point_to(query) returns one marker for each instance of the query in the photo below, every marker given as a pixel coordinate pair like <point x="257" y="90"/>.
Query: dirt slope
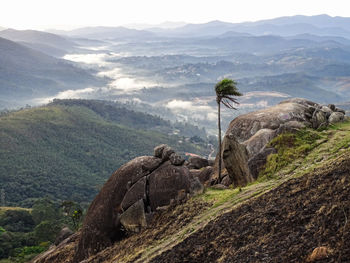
<point x="279" y="219"/>
<point x="284" y="225"/>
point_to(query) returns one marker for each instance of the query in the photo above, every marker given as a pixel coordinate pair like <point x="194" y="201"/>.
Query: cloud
<point x="196" y="110"/>
<point x="68" y="94"/>
<point x="99" y="59"/>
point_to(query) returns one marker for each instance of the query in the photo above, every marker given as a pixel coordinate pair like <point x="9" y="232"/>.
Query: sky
<point x="69" y="14"/>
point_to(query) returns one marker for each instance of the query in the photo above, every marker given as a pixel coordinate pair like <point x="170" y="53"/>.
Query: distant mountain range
<point x="283" y="26"/>
<point x="26" y="73"/>
<point x="322" y="25"/>
<point x="42" y="41"/>
<point x="107" y="33"/>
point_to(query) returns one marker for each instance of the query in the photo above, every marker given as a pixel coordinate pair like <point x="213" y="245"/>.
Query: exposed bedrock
<point x="130" y="197"/>
<point x="245" y="142"/>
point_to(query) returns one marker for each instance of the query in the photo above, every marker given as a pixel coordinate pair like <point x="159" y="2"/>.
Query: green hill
<point x="26" y="73"/>
<point x="66" y="150"/>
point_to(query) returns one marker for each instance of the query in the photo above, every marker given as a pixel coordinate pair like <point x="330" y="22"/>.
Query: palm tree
<point x="226" y="91"/>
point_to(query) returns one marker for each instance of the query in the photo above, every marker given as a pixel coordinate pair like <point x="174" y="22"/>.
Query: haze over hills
<point x="108" y="33"/>
<point x="27" y="74"/>
<point x="284" y="26"/>
<point x="45" y="42"/>
<point x="134" y="89"/>
<point x="171" y="71"/>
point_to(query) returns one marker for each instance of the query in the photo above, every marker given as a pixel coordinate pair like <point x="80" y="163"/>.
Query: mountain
<point x="26" y="74"/>
<point x="156" y="27"/>
<point x="45" y="42"/>
<point x="341" y="40"/>
<point x="212" y="28"/>
<point x="101" y="33"/>
<point x="67" y="149"/>
<point x="322" y="25"/>
<point x="297" y="209"/>
<point x="323" y="21"/>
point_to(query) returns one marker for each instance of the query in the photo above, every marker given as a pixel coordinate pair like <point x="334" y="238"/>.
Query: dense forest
<point x="27" y="232"/>
<point x="66" y="150"/>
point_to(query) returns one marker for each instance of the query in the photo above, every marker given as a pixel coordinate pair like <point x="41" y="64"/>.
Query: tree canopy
<point x="226" y="91"/>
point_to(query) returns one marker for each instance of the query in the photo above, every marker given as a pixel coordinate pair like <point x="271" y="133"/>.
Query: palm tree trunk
<point x="219" y="137"/>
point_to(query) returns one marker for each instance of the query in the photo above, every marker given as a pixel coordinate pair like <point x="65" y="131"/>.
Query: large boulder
<point x="235" y="158"/>
<point x="101" y="225"/>
<point x="257" y="162"/>
<point x="245" y="126"/>
<point x="131" y="195"/>
<point x="203" y="174"/>
<point x="255" y="143"/>
<point x="196" y="162"/>
<point x="246" y="139"/>
<point x="166" y="182"/>
<point x="336" y="117"/>
<point x="135" y="193"/>
<point x="134" y="218"/>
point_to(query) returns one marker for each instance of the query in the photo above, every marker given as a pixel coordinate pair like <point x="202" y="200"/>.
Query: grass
<point x="218" y="196"/>
<point x="291" y="146"/>
<point x="3" y="209"/>
<point x="296" y="156"/>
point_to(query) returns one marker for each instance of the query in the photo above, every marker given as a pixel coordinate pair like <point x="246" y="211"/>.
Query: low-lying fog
<point x="170" y="99"/>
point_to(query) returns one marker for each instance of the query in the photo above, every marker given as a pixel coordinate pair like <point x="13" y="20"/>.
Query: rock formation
<point x="131" y="195"/>
<point x="245" y="143"/>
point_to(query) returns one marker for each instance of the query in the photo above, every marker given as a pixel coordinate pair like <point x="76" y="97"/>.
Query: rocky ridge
<point x="132" y="195"/>
<point x="122" y="220"/>
<point x="246" y="142"/>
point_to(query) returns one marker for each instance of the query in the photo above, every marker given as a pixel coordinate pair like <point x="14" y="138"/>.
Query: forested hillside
<point x="68" y="151"/>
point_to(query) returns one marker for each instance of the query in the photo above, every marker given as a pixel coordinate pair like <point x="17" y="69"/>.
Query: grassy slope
<point x="67" y="152"/>
<point x="209" y="207"/>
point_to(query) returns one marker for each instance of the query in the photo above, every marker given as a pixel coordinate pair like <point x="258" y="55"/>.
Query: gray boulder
<point x="339" y="110"/>
<point x="235" y="158"/>
<point x="246" y="139"/>
<point x="135" y="193"/>
<point x="255" y="143"/>
<point x="165" y="182"/>
<point x="100" y="226"/>
<point x="336" y="117"/>
<point x="332" y="107"/>
<point x="158" y="150"/>
<point x="134" y="218"/>
<point x="167" y="152"/>
<point x="196" y="162"/>
<point x="226" y="181"/>
<point x="176" y="159"/>
<point x="257" y="162"/>
<point x="319" y="118"/>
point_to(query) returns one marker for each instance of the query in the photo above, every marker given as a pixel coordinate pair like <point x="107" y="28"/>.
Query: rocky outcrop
<point x="131" y="195"/>
<point x="235" y="157"/>
<point x="245" y="143"/>
<point x="196" y="162"/>
<point x="64" y="233"/>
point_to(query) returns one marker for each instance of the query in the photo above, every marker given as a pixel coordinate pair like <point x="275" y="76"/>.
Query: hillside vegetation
<point x="68" y="151"/>
<point x="283" y="217"/>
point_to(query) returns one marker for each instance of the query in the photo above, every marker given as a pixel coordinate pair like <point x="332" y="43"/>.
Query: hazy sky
<point x="41" y="14"/>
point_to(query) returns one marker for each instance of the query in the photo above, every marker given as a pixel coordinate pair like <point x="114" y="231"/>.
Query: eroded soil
<point x="283" y="225"/>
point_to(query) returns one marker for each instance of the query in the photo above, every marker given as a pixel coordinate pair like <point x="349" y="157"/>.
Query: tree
<point x="226" y="91"/>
